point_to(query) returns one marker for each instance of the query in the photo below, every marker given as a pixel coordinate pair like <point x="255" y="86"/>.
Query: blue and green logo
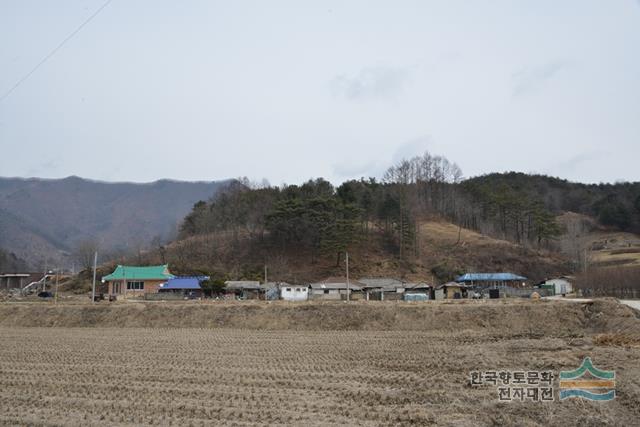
<point x="599" y="385"/>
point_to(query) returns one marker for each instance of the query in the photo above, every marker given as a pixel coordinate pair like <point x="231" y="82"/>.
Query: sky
<point x="292" y="90"/>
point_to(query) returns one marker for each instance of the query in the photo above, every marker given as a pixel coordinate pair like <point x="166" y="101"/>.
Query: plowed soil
<point x="308" y="364"/>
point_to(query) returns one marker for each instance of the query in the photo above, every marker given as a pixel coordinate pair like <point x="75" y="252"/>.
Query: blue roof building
<point x="492" y="280"/>
<point x="182" y="284"/>
<point x="490" y="277"/>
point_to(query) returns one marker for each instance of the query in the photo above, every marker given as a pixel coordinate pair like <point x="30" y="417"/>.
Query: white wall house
<point x="336" y="288"/>
<point x="561" y="286"/>
<point x="293" y="292"/>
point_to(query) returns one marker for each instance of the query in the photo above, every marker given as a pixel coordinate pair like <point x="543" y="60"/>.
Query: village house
<point x="483" y="281"/>
<point x="129" y="281"/>
<point x="382" y="288"/>
<point x="451" y="290"/>
<point x="188" y="287"/>
<point x="336" y="288"/>
<point x="271" y="290"/>
<point x="293" y="292"/>
<point x="21" y="280"/>
<point x="417" y="291"/>
<point x="558" y="286"/>
<point x="243" y="289"/>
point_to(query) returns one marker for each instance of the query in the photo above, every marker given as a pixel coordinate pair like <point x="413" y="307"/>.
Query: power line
<point x="53" y="52"/>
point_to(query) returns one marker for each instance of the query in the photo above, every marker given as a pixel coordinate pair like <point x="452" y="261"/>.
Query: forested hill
<point x="9" y="262"/>
<point x="512" y="206"/>
<point x="616" y="205"/>
<point x="318" y="221"/>
<point x="391" y="222"/>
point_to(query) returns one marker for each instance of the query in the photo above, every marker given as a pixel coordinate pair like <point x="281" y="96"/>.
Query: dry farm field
<point x="304" y="374"/>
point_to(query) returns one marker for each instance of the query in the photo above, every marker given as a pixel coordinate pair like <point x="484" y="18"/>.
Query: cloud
<point x="348" y="169"/>
<point x="412" y="148"/>
<point x="43" y="169"/>
<point x="371" y="83"/>
<point x="578" y="163"/>
<point x="533" y="79"/>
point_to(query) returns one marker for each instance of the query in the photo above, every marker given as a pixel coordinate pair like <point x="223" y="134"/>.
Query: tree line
<point x="324" y="220"/>
<point x="615" y="205"/>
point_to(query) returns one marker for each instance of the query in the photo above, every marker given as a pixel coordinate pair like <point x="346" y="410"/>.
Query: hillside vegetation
<point x="9" y="262"/>
<point x="511" y="196"/>
<point x="422" y="220"/>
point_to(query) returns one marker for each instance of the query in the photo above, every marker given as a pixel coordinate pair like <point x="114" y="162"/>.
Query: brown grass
<point x="507" y="318"/>
<point x="611" y="261"/>
<point x="603" y="246"/>
<point x="616" y="339"/>
<point x="440" y="246"/>
<point x="305" y="364"/>
<point x="625" y="251"/>
<point x="628" y="257"/>
<point x="446" y="233"/>
<point x="437" y="241"/>
<point x="613" y="248"/>
<point x="155" y="376"/>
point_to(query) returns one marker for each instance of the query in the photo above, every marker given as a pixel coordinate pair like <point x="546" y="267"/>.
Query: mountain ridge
<point x="43" y="218"/>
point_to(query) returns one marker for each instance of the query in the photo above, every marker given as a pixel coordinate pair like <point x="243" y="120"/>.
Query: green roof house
<point x="127" y="281"/>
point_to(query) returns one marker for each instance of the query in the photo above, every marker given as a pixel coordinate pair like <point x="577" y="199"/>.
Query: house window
<point x="135" y="286"/>
<point x="288" y="289"/>
<point x="326" y="291"/>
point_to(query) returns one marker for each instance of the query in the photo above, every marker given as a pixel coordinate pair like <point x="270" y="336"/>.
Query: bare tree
<point x="84" y="251"/>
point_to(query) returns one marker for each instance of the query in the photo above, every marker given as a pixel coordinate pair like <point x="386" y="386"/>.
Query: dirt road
<point x="633" y="303"/>
<point x="561" y="298"/>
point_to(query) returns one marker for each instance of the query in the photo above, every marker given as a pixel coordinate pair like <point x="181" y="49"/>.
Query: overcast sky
<point x="289" y="90"/>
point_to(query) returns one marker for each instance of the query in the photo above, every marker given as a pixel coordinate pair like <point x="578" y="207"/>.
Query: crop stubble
<point x="140" y="376"/>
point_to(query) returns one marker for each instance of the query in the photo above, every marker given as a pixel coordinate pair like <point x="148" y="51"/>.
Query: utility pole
<point x="586" y="260"/>
<point x="347" y="264"/>
<point x="44" y="278"/>
<point x="265" y="281"/>
<point x="57" y="278"/>
<point x="93" y="286"/>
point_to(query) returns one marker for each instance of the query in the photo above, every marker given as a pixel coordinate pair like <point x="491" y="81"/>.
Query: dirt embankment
<point x="504" y="317"/>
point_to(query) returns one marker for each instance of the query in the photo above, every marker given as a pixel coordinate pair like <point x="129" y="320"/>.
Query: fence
<point x="622" y="293"/>
<point x="517" y="292"/>
<point x="621" y="282"/>
<point x="164" y="296"/>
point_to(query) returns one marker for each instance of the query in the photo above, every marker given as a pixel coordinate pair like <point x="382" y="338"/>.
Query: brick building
<point x="129" y="281"/>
